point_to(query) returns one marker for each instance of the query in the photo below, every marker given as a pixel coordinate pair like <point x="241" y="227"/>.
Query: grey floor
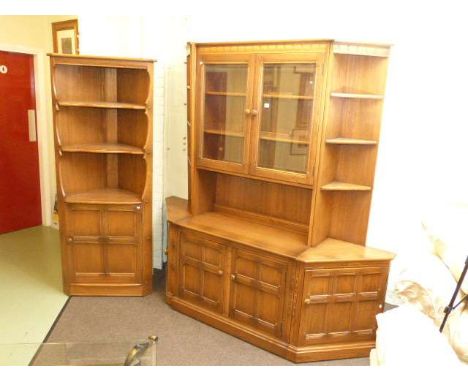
<point x="182" y="340"/>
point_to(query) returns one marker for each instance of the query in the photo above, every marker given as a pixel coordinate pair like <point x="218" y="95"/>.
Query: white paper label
<point x="266" y="105"/>
<point x="3" y="69"/>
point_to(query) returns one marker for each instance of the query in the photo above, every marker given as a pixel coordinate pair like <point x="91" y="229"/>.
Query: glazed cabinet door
<point x="258" y="291"/>
<point x="103" y="244"/>
<point x="286" y="115"/>
<point x="201" y="271"/>
<point x="224" y="103"/>
<point x="340" y="305"/>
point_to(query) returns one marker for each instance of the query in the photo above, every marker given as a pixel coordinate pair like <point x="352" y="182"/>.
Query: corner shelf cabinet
<point x="103" y="143"/>
<point x="283" y="139"/>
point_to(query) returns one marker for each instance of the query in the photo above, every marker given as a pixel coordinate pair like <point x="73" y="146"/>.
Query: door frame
<point x="43" y="120"/>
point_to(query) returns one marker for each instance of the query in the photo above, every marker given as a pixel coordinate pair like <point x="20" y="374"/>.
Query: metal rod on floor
<point x="451" y="305"/>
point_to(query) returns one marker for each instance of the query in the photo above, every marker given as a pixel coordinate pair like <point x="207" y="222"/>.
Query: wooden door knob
<point x="254" y="112"/>
<point x="233" y="277"/>
<point x="247" y="111"/>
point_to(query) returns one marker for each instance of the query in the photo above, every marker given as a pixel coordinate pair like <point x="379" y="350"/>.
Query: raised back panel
<point x="80" y="172"/>
<point x="264" y="198"/>
<point x="132" y="127"/>
<point x="355" y="164"/>
<point x="133" y="85"/>
<point x="80" y="125"/>
<point x="84" y="80"/>
<point x="359" y="74"/>
<point x="132" y="173"/>
<point x="354" y="118"/>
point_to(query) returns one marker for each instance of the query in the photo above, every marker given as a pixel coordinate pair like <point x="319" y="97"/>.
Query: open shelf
<point x="242" y="230"/>
<point x="341" y="186"/>
<point x="233" y="94"/>
<point x="224" y="132"/>
<point x="102" y="105"/>
<point x="104" y="196"/>
<point x="279" y="137"/>
<point x="286" y="96"/>
<point x="357" y="95"/>
<point x="350" y="141"/>
<point x="104" y="148"/>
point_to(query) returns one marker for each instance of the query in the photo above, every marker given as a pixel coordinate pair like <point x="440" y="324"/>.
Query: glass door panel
<point x="286" y="116"/>
<point x="225" y="102"/>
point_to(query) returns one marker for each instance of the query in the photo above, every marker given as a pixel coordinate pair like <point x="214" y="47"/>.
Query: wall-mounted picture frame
<point x="65" y="37"/>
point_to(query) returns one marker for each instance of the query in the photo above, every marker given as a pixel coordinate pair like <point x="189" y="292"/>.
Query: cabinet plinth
<point x="103" y="135"/>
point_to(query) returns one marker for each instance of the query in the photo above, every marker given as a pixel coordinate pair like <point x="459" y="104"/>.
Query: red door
<point x="20" y="197"/>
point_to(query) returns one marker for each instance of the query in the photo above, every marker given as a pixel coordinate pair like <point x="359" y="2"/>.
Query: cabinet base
<point x="320" y="352"/>
<point x="136" y="290"/>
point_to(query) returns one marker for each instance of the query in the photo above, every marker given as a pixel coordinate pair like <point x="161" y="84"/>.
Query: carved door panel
<point x="258" y="291"/>
<point x="103" y="243"/>
<point x="202" y="271"/>
<point x="340" y="305"/>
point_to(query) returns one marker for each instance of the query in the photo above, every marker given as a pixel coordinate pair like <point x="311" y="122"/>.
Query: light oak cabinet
<point x="202" y="271"/>
<point x="269" y="247"/>
<point x="103" y="144"/>
<point x="258" y="113"/>
<point x="340" y="304"/>
<point x="258" y="291"/>
<point x="104" y="244"/>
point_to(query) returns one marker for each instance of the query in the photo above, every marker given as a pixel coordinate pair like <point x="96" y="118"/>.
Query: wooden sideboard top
<point x="331" y="250"/>
<point x="268" y="238"/>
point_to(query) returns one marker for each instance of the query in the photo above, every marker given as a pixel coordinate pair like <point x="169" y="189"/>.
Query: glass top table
<point x="122" y="353"/>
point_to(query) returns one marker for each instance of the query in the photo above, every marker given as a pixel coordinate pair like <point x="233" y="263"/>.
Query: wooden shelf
<point x="278" y="137"/>
<point x="350" y="141"/>
<point x="104" y="196"/>
<point x="357" y="95"/>
<point x="244" y="231"/>
<point x="286" y="96"/>
<point x="224" y="132"/>
<point x="104" y="148"/>
<point x="340" y="186"/>
<point x="233" y="94"/>
<point x="102" y="105"/>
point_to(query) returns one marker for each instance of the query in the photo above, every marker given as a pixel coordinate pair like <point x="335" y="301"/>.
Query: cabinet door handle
<point x="233" y="277"/>
<point x="254" y="112"/>
<point x="247" y="111"/>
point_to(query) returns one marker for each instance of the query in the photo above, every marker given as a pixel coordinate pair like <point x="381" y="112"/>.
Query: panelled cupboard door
<point x="258" y="291"/>
<point x="103" y="243"/>
<point x="340" y="305"/>
<point x="286" y="115"/>
<point x="223" y="107"/>
<point x="202" y="271"/>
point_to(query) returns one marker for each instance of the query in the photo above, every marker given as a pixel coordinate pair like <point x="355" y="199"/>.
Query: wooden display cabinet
<point x="269" y="247"/>
<point x="103" y="141"/>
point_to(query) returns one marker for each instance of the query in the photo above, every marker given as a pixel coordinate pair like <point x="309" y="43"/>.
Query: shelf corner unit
<point x="103" y="142"/>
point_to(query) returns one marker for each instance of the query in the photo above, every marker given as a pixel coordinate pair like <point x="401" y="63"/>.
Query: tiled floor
<point x="31" y="294"/>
